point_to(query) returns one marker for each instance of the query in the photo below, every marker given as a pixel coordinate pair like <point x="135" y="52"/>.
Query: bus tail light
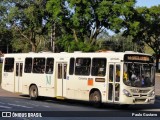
<point x="126" y="93"/>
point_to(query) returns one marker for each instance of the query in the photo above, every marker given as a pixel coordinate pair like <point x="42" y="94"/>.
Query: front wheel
<point x="33" y="92"/>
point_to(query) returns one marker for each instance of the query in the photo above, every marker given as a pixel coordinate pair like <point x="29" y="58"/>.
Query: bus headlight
<point x="152" y="94"/>
<point x="126" y="93"/>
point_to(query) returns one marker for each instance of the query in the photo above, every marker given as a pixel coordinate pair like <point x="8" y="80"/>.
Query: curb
<point x="157" y="74"/>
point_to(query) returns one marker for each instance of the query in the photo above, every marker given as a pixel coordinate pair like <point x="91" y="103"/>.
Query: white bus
<point x="100" y="77"/>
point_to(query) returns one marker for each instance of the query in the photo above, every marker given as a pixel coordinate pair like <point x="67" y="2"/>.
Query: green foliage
<point x="84" y="20"/>
<point x="144" y="28"/>
<point x="116" y="43"/>
<point x="27" y="20"/>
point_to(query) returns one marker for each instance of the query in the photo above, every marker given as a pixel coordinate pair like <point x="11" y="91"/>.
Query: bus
<point x="122" y="78"/>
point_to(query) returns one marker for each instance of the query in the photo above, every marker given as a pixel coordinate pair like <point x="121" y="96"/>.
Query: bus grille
<point x="139" y="91"/>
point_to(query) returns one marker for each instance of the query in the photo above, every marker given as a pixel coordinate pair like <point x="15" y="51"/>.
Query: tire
<point x="33" y="92"/>
<point x="95" y="99"/>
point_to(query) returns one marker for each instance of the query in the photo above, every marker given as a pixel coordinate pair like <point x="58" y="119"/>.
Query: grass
<point x="0" y="72"/>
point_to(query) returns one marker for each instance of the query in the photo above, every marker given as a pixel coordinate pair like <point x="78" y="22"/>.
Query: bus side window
<point x="71" y="67"/>
<point x="82" y="66"/>
<point x="28" y="65"/>
<point x="49" y="66"/>
<point x="9" y="65"/>
<point x="39" y="65"/>
<point x="99" y="66"/>
<point x="111" y="73"/>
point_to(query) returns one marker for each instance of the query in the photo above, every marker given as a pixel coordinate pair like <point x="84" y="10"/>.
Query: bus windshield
<point x="139" y="74"/>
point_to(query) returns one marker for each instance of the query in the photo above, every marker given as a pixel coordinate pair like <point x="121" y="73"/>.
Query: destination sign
<point x="143" y="58"/>
<point x="138" y="58"/>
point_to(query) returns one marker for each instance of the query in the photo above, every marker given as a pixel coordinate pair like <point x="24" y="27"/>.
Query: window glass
<point x="82" y="66"/>
<point x="9" y="65"/>
<point x="38" y="65"/>
<point x="138" y="75"/>
<point x="111" y="73"/>
<point x="59" y="71"/>
<point x="98" y="66"/>
<point x="118" y="73"/>
<point x="17" y="68"/>
<point x="28" y="65"/>
<point x="21" y="68"/>
<point x="71" y="67"/>
<point x="49" y="65"/>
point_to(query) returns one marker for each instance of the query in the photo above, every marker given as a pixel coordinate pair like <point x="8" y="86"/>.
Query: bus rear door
<point x="61" y="79"/>
<point x="114" y="82"/>
<point x="18" y="77"/>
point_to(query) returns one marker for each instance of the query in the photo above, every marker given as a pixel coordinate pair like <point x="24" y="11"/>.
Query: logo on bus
<point x="48" y="80"/>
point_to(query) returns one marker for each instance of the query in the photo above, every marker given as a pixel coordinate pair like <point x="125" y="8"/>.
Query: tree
<point x="147" y="29"/>
<point x="5" y="32"/>
<point x="84" y="20"/>
<point x="27" y="19"/>
<point x="116" y="43"/>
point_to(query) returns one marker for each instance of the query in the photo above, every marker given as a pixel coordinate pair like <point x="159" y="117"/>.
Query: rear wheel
<point x="95" y="99"/>
<point x="33" y="92"/>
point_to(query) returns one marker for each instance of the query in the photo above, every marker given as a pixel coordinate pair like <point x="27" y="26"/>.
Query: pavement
<point x="5" y="93"/>
<point x="157" y="86"/>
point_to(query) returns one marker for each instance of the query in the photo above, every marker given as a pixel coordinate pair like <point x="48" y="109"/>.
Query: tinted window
<point x="71" y="67"/>
<point x="38" y="65"/>
<point x="49" y="65"/>
<point x="98" y="66"/>
<point x="28" y="65"/>
<point x="82" y="66"/>
<point x="9" y="65"/>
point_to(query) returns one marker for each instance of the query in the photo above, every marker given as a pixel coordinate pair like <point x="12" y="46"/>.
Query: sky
<point x="147" y="3"/>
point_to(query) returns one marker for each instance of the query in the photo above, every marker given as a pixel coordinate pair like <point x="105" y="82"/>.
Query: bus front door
<point x="18" y="76"/>
<point x="114" y="82"/>
<point x="61" y="79"/>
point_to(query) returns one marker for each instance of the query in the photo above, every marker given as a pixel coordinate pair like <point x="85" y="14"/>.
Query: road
<point x="10" y="102"/>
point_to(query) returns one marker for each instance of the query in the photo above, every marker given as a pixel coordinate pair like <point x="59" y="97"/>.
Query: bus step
<point x="60" y="97"/>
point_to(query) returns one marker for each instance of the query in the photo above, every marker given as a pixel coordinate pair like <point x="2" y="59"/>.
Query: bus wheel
<point x="33" y="92"/>
<point x="95" y="99"/>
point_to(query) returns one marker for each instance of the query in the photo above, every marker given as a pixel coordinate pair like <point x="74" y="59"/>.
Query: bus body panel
<point x="71" y="86"/>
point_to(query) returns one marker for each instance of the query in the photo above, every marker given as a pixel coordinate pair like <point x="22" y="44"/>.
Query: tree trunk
<point x="33" y="48"/>
<point x="33" y="43"/>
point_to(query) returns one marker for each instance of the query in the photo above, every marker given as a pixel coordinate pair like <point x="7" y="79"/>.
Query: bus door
<point x="61" y="79"/>
<point x="114" y="82"/>
<point x="18" y="77"/>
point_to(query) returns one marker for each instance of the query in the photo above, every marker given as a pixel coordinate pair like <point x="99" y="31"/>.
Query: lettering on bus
<point x="138" y="58"/>
<point x="141" y="58"/>
<point x="114" y="58"/>
<point x="48" y="80"/>
<point x="81" y="78"/>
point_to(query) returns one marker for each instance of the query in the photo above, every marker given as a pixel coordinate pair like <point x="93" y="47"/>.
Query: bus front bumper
<point x="138" y="100"/>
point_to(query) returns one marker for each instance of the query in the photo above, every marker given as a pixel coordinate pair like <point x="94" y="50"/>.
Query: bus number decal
<point x="48" y="80"/>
